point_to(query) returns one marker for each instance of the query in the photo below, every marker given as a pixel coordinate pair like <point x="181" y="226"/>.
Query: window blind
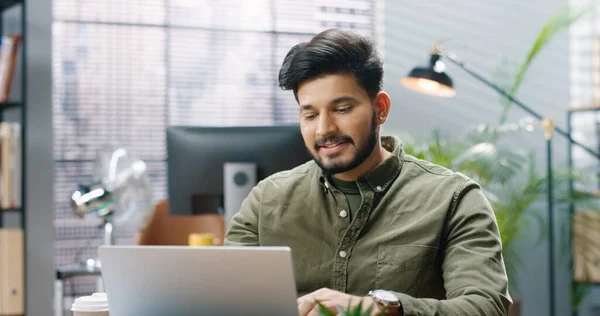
<point x="584" y="65"/>
<point x="584" y="53"/>
<point x="124" y="70"/>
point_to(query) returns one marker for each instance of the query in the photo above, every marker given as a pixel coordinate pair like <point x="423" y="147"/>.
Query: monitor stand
<point x="238" y="180"/>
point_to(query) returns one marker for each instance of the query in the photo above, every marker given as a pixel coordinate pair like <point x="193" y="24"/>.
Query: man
<point x="367" y="222"/>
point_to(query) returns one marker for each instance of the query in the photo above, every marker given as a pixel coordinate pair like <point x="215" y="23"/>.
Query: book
<point x="10" y="165"/>
<point x="9" y="47"/>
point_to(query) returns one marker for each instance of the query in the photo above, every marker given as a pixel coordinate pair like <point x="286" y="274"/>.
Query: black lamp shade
<point x="429" y="80"/>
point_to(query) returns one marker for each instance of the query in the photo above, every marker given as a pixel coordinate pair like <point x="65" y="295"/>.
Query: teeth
<point x="331" y="145"/>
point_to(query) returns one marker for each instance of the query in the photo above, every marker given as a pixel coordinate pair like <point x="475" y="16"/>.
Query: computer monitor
<point x="212" y="169"/>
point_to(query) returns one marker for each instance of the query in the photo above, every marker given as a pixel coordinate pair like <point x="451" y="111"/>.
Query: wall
<point x="481" y="33"/>
<point x="39" y="164"/>
<point x="39" y="203"/>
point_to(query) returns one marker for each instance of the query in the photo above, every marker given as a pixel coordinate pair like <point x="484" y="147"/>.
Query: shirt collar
<point x="380" y="178"/>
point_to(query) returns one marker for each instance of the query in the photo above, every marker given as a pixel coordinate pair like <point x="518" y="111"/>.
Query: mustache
<point x="332" y="139"/>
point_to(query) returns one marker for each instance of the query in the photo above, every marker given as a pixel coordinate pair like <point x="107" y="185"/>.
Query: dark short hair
<point x="333" y="51"/>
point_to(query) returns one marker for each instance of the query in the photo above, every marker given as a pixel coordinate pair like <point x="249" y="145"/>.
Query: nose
<point x="325" y="126"/>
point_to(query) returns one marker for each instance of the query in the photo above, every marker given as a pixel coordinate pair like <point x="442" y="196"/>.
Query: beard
<point x="337" y="165"/>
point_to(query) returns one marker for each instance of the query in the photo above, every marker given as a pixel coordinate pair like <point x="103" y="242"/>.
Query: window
<point x="126" y="69"/>
<point x="584" y="65"/>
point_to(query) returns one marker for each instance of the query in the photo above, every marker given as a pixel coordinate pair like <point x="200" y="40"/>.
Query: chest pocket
<point x="404" y="268"/>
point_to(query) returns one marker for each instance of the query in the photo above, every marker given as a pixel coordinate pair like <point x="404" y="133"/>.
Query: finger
<point x="316" y="310"/>
<point x="306" y="299"/>
<point x="325" y="294"/>
<point x="305" y="306"/>
<point x="371" y="303"/>
<point x="328" y="292"/>
<point x="343" y="300"/>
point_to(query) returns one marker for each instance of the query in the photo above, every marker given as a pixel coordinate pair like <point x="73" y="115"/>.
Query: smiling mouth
<point x="333" y="148"/>
<point x="331" y="145"/>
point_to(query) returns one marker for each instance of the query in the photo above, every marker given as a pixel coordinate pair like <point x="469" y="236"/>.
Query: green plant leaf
<point x="357" y="310"/>
<point x="543" y="226"/>
<point x="558" y="23"/>
<point x="579" y="292"/>
<point x="324" y="310"/>
<point x="486" y="163"/>
<point x="341" y="310"/>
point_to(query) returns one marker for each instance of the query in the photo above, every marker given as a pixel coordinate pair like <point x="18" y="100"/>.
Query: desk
<point x="68" y="272"/>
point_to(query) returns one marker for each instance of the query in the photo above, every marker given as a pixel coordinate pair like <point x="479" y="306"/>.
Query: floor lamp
<point x="432" y="80"/>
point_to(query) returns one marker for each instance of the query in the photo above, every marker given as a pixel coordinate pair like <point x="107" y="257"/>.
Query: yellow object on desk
<point x="201" y="240"/>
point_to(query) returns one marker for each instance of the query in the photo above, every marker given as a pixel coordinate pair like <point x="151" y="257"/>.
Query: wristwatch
<point x="387" y="300"/>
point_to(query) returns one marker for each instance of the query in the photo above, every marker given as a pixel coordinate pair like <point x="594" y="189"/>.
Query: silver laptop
<point x="179" y="280"/>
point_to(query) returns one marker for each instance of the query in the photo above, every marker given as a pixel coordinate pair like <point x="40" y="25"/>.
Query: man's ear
<point x="382" y="106"/>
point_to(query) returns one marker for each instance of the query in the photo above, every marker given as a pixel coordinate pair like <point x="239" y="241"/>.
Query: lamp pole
<point x="549" y="126"/>
<point x="519" y="103"/>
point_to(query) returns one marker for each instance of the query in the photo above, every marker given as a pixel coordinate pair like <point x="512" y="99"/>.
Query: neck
<point x="378" y="155"/>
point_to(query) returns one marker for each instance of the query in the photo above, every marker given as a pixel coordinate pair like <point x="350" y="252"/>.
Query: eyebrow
<point x="343" y="99"/>
<point x="333" y="102"/>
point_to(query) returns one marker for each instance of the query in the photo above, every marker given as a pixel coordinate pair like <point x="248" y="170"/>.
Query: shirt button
<point x="378" y="188"/>
<point x="343" y="254"/>
<point x="343" y="213"/>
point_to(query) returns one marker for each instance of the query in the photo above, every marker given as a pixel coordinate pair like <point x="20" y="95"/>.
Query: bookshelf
<point x="584" y="218"/>
<point x="12" y="113"/>
<point x="15" y="101"/>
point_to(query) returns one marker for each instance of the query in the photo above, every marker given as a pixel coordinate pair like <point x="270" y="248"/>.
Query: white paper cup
<point x="94" y="305"/>
<point x="101" y="295"/>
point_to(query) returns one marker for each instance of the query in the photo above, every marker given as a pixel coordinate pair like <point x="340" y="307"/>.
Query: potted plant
<point x="349" y="311"/>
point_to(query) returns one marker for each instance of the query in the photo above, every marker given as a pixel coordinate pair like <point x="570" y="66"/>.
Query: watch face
<point x="385" y="295"/>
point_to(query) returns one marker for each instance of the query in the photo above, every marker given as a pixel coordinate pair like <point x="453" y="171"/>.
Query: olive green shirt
<point x="425" y="232"/>
<point x="351" y="192"/>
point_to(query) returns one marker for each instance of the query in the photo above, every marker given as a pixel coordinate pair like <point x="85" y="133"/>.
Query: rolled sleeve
<point x="243" y="229"/>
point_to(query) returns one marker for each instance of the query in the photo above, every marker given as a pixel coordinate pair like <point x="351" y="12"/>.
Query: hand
<point x="307" y="304"/>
